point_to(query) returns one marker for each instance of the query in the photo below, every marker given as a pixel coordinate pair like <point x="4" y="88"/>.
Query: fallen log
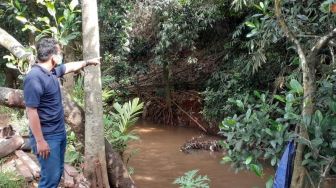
<point x="8" y="146"/>
<point x="68" y="180"/>
<point x="23" y="170"/>
<point x="34" y="169"/>
<point x="74" y="117"/>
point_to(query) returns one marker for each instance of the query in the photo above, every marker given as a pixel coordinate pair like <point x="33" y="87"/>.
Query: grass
<point x="11" y="180"/>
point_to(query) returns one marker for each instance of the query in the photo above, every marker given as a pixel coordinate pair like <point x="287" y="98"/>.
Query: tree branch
<point x="289" y="34"/>
<point x="323" y="42"/>
<point x="10" y="43"/>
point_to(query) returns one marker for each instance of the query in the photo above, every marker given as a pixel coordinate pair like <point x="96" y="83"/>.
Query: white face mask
<point x="59" y="59"/>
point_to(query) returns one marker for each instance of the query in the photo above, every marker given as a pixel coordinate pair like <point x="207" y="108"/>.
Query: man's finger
<point x="41" y="154"/>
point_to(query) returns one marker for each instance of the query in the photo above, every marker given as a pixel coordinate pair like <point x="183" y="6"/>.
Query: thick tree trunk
<point x="95" y="159"/>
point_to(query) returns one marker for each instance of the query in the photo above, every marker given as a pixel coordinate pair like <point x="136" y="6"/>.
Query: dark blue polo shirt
<point x="42" y="91"/>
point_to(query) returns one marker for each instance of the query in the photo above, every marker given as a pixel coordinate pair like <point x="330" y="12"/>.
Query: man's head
<point x="48" y="50"/>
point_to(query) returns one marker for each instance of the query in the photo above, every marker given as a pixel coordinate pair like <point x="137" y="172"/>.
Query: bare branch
<point x="332" y="53"/>
<point x="332" y="43"/>
<point x="323" y="42"/>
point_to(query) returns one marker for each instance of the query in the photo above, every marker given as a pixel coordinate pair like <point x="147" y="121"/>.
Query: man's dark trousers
<point x="51" y="168"/>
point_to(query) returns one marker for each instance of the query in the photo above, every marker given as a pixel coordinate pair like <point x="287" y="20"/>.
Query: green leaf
<point x="17" y="4"/>
<point x="325" y="7"/>
<point x="316" y="142"/>
<point x="273" y="161"/>
<point x="240" y="104"/>
<point x="249" y="160"/>
<point x="66" y="14"/>
<point x="303" y="17"/>
<point x="30" y="27"/>
<point x="229" y="122"/>
<point x="273" y="144"/>
<point x="73" y="4"/>
<point x="280" y="98"/>
<point x="269" y="131"/>
<point x="250" y="24"/>
<point x="53" y="30"/>
<point x="269" y="183"/>
<point x="318" y="116"/>
<point x="248" y="113"/>
<point x="333" y="145"/>
<point x="51" y="8"/>
<point x="256" y="169"/>
<point x="296" y="86"/>
<point x="22" y="19"/>
<point x="44" y="19"/>
<point x="226" y="159"/>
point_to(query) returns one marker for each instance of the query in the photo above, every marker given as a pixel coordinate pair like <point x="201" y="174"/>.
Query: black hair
<point x="46" y="47"/>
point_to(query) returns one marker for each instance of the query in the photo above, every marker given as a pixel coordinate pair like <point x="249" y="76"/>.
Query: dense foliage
<point x="255" y="92"/>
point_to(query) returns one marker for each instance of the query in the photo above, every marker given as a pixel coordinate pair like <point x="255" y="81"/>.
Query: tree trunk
<point x="12" y="80"/>
<point x="95" y="159"/>
<point x="309" y="88"/>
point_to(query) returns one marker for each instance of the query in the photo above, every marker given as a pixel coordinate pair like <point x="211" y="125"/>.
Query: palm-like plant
<point x="118" y="124"/>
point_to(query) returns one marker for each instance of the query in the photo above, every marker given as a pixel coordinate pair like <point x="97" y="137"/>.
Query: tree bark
<point x="8" y="146"/>
<point x="95" y="159"/>
<point x="10" y="43"/>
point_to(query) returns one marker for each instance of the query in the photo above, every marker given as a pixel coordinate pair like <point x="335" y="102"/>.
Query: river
<point x="158" y="160"/>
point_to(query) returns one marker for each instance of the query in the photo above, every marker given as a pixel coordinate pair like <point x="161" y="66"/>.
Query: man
<point x="42" y="95"/>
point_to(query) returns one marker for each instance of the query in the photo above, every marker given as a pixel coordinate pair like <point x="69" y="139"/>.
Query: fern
<point x="118" y="124"/>
<point x="190" y="180"/>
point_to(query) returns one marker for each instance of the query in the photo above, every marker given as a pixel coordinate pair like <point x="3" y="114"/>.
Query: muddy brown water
<point x="159" y="160"/>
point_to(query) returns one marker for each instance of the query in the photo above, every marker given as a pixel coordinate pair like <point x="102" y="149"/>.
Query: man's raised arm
<point x="75" y="66"/>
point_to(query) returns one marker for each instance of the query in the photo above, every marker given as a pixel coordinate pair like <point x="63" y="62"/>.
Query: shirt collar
<point x="44" y="70"/>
